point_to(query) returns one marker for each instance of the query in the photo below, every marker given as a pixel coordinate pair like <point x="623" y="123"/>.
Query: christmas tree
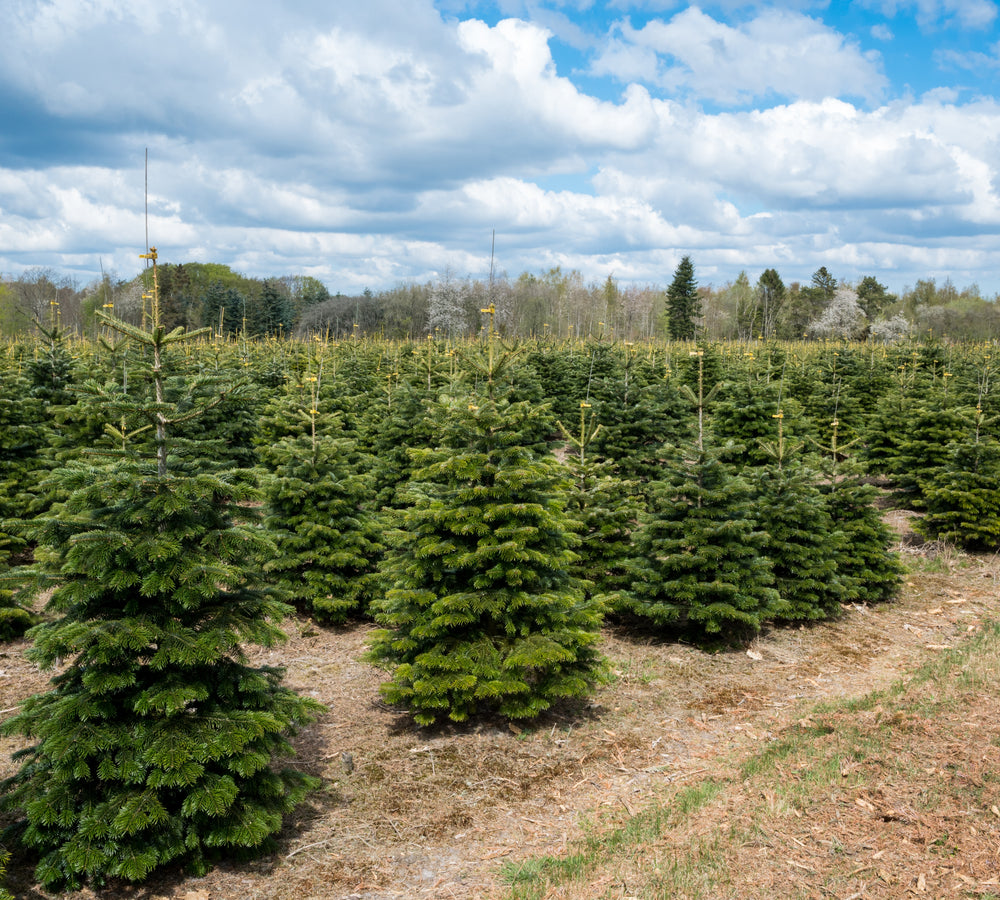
<point x="154" y="744"/>
<point x="868" y="570"/>
<point x="605" y="510"/>
<point x="802" y="542"/>
<point x="699" y="565"/>
<point x="481" y="613"/>
<point x="962" y="497"/>
<point x="327" y="542"/>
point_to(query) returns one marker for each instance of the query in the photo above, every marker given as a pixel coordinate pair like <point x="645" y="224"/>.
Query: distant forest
<point x="556" y="303"/>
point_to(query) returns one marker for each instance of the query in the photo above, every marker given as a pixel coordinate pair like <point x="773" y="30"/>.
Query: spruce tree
<point x="683" y="303"/>
<point x="155" y="744"/>
<point x="480" y="612"/>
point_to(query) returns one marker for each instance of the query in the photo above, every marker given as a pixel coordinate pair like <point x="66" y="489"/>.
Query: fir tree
<point x="15" y="620"/>
<point x="605" y="510"/>
<point x="640" y="427"/>
<point x="700" y="565"/>
<point x="327" y="541"/>
<point x="802" y="543"/>
<point x="868" y="570"/>
<point x="154" y="745"/>
<point x="934" y="422"/>
<point x="22" y="459"/>
<point x="962" y="497"/>
<point x="481" y="612"/>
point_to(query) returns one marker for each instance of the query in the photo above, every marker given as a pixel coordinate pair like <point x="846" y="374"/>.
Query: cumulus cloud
<point x="369" y="143"/>
<point x="777" y="53"/>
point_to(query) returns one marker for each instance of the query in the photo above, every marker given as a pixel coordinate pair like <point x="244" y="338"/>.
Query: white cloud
<point x="975" y="14"/>
<point x="970" y="60"/>
<point x="777" y="53"/>
<point x="369" y="143"/>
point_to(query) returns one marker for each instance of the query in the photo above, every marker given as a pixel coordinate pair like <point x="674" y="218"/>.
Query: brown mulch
<point x="408" y="813"/>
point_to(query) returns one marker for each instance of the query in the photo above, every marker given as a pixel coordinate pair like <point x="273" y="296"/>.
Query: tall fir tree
<point x="683" y="303"/>
<point x="154" y="744"/>
<point x="480" y="611"/>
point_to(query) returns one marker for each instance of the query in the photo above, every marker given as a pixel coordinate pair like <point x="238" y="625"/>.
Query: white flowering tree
<point x="842" y="318"/>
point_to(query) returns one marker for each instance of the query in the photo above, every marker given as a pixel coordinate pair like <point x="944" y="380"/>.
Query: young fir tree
<point x="605" y="510"/>
<point x="935" y="421"/>
<point x="868" y="570"/>
<point x="962" y="497"/>
<point x="802" y="542"/>
<point x="22" y="447"/>
<point x="327" y="541"/>
<point x="743" y="419"/>
<point x="15" y="620"/>
<point x="401" y="423"/>
<point x="481" y="613"/>
<point x="641" y="426"/>
<point x="154" y="744"/>
<point x="887" y="427"/>
<point x="700" y="565"/>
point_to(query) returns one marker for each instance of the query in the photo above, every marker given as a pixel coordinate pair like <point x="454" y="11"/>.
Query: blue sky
<point x="379" y="143"/>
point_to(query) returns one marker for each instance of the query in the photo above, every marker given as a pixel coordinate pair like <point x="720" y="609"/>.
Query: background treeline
<point x="554" y="303"/>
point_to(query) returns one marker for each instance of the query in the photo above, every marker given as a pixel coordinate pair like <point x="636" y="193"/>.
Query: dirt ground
<point x="410" y="813"/>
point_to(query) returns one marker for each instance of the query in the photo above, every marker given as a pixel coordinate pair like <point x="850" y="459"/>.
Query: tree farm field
<point x="858" y="757"/>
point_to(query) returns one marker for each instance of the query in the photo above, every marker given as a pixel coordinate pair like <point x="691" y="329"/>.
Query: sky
<point x="383" y="142"/>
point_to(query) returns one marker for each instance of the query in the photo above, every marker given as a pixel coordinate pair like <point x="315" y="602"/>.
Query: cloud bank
<point x="383" y="142"/>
